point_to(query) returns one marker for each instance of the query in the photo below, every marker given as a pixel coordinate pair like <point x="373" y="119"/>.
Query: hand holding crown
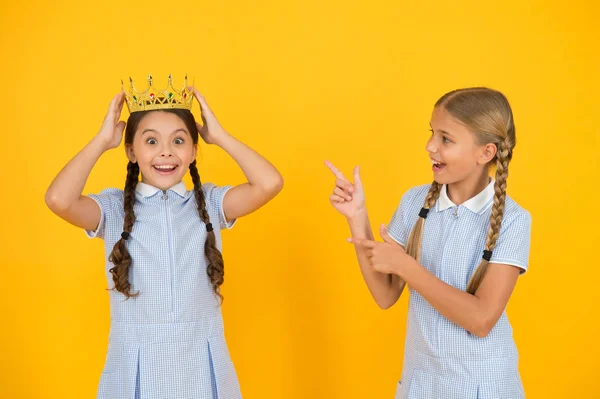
<point x="111" y="132"/>
<point x="210" y="130"/>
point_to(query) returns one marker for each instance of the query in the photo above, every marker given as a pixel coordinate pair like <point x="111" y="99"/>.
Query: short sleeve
<point x="402" y="221"/>
<point x="512" y="246"/>
<point x="110" y="202"/>
<point x="214" y="199"/>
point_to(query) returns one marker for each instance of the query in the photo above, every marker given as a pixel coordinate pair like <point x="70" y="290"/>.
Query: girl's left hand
<point x="211" y="129"/>
<point x="385" y="257"/>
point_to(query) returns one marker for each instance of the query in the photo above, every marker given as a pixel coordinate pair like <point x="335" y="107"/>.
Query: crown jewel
<point x="153" y="98"/>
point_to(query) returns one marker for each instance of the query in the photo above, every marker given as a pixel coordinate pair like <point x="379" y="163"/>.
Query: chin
<point x="447" y="180"/>
<point x="441" y="180"/>
<point x="163" y="182"/>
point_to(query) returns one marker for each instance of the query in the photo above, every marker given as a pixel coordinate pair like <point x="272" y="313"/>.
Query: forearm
<point x="67" y="186"/>
<point x="462" y="308"/>
<point x="259" y="172"/>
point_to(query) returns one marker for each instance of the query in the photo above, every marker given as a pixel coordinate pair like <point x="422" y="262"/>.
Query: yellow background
<point x="300" y="81"/>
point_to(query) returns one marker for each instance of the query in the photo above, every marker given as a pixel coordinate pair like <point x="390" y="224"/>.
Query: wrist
<point x="358" y="216"/>
<point x="220" y="138"/>
<point x="100" y="143"/>
<point x="405" y="266"/>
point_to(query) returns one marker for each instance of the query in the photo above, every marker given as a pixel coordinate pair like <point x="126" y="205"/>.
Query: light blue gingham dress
<point x="168" y="342"/>
<point x="442" y="359"/>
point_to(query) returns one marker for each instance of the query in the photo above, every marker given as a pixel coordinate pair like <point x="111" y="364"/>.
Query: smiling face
<point x="163" y="147"/>
<point x="454" y="151"/>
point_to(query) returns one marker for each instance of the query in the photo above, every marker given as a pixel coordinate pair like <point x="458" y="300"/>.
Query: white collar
<point x="146" y="190"/>
<point x="477" y="204"/>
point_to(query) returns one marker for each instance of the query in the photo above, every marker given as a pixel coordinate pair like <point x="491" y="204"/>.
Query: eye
<point x="151" y="141"/>
<point x="178" y="140"/>
<point x="446" y="140"/>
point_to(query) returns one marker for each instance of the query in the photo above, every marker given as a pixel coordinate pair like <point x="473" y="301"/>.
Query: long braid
<point x="215" y="267"/>
<point x="120" y="256"/>
<point x="502" y="160"/>
<point x="413" y="248"/>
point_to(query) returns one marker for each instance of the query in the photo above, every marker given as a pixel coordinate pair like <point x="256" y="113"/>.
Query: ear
<point x="129" y="153"/>
<point x="488" y="152"/>
<point x="194" y="150"/>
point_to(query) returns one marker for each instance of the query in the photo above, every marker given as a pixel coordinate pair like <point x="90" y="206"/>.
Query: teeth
<point x="164" y="167"/>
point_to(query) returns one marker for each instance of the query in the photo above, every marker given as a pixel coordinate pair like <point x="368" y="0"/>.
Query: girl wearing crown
<point x="163" y="244"/>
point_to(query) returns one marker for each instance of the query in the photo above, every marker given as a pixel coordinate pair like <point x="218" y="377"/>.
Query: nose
<point x="166" y="151"/>
<point x="430" y="146"/>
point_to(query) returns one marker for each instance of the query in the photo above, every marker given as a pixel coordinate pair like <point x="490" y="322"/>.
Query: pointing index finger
<point x="336" y="171"/>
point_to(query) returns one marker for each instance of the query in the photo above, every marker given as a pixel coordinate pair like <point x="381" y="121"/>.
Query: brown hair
<point x="487" y="114"/>
<point x="120" y="256"/>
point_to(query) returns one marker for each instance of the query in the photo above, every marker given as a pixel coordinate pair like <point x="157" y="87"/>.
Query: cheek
<point x="454" y="152"/>
<point x="462" y="158"/>
<point x="144" y="155"/>
<point x="187" y="153"/>
<point x="449" y="153"/>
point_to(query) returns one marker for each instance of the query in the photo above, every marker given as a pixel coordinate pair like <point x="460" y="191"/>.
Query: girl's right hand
<point x="347" y="198"/>
<point x="111" y="132"/>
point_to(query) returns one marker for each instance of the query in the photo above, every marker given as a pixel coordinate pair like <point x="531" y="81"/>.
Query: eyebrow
<point x="443" y="131"/>
<point x="173" y="132"/>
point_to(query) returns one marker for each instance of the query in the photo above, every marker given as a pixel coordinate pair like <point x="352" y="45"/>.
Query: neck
<point x="464" y="190"/>
<point x="163" y="188"/>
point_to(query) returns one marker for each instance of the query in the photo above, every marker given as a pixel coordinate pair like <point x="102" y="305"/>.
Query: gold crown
<point x="153" y="98"/>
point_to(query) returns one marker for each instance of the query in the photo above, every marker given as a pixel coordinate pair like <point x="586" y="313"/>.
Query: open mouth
<point x="437" y="166"/>
<point x="164" y="169"/>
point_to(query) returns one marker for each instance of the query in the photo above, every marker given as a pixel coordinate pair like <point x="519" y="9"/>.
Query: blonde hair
<point x="487" y="114"/>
